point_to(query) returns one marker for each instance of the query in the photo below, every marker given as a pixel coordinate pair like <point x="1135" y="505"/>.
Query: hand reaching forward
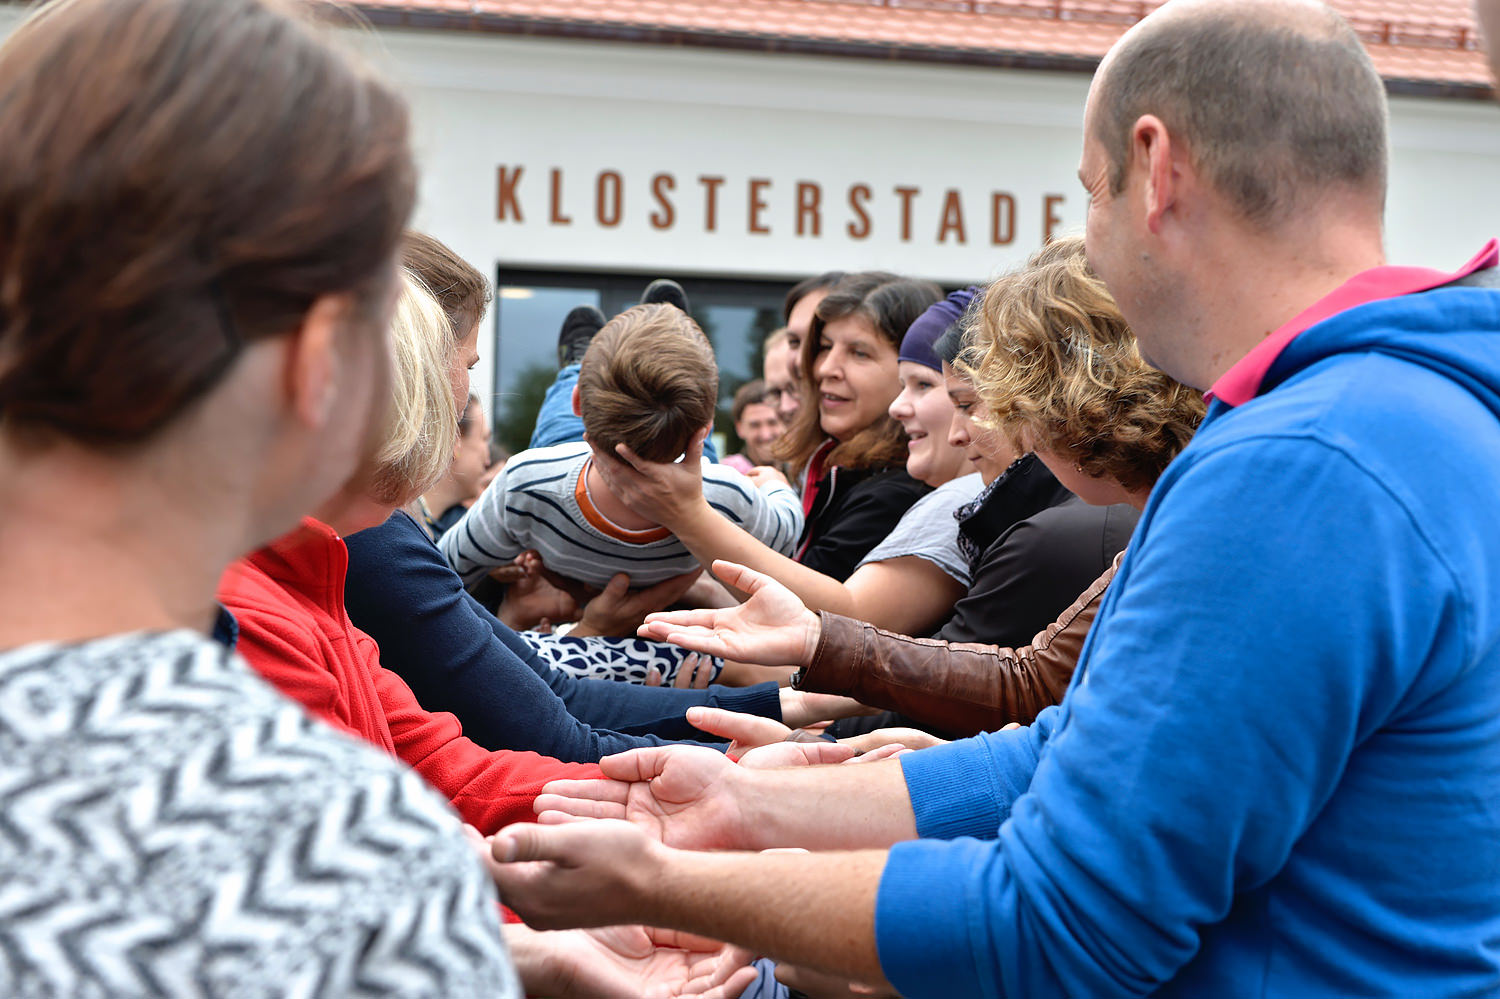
<point x="576" y="875"/>
<point x="771" y="628"/>
<point x="682" y="796"/>
<point x="613" y="961"/>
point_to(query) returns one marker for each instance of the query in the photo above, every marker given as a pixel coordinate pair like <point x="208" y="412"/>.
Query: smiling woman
<point x="851" y="452"/>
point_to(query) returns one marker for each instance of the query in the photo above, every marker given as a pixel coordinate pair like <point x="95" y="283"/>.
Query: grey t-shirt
<point x="928" y="530"/>
<point x="171" y="825"/>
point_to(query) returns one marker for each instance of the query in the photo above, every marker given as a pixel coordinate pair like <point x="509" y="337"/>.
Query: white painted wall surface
<point x="485" y="101"/>
<point x="585" y="107"/>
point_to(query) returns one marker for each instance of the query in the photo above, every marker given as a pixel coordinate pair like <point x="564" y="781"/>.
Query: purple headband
<point x="917" y="345"/>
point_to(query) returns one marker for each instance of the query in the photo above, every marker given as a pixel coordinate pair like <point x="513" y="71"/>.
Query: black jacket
<point x="1040" y="546"/>
<point x="853" y="512"/>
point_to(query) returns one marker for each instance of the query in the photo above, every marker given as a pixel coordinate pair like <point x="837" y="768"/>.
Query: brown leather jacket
<point x="959" y="688"/>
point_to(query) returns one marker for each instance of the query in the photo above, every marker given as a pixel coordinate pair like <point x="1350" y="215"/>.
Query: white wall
<point x="486" y="101"/>
<point x="585" y="107"/>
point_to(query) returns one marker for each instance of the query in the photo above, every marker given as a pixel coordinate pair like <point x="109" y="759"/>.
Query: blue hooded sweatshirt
<point x="1277" y="770"/>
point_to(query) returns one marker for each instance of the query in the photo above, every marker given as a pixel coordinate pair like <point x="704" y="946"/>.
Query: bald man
<point x="1277" y="770"/>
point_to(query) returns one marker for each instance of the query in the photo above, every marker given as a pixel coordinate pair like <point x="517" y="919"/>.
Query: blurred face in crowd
<point x="759" y="427"/>
<point x="465" y="356"/>
<point x="855" y="371"/>
<point x="984" y="450"/>
<point x="798" y="325"/>
<point x="782" y="391"/>
<point x="472" y="456"/>
<point x="925" y="413"/>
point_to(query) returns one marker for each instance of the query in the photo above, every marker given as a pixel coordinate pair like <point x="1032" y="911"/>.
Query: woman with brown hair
<point x="851" y="454"/>
<point x="194" y="291"/>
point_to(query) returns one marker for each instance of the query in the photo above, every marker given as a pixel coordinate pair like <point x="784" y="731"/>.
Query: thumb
<point x="746" y="730"/>
<point x="525" y="841"/>
<point x="617" y="587"/>
<point x="739" y="577"/>
<point x="637" y="764"/>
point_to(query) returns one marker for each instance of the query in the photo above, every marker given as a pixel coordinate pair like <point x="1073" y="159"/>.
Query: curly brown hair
<point x="1058" y="370"/>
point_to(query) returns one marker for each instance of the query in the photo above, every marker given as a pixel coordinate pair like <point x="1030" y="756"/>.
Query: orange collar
<point x="599" y="522"/>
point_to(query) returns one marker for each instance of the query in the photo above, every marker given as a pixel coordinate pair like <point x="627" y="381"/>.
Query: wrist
<point x="812" y="635"/>
<point x="756" y="798"/>
<point x="534" y="956"/>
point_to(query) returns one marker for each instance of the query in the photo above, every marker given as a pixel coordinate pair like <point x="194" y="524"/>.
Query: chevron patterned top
<point x="170" y="825"/>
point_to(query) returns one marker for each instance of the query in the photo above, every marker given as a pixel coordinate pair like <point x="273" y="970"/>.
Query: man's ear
<point x="577" y="402"/>
<point x="312" y="362"/>
<point x="1153" y="148"/>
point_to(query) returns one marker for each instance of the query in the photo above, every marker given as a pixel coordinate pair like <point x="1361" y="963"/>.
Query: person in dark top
<point x="458" y="657"/>
<point x="851" y="452"/>
<point x="1034" y="545"/>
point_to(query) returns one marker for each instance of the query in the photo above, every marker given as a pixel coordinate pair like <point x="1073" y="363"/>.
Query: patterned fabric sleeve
<point x="169" y="825"/>
<point x="626" y="660"/>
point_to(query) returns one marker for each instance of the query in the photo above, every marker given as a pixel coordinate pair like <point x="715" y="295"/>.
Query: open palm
<point x="683" y="796"/>
<point x="771" y="628"/>
<point x="617" y="961"/>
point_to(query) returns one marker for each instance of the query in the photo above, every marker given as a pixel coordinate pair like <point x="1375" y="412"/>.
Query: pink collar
<point x="1241" y="383"/>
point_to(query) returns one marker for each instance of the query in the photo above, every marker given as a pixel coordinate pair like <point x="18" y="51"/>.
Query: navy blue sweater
<point x="458" y="657"/>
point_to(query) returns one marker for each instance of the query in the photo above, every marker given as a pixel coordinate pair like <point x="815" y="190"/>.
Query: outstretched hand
<point x="664" y="492"/>
<point x="613" y="961"/>
<point x="771" y="628"/>
<point x="581" y="874"/>
<point x="682" y="796"/>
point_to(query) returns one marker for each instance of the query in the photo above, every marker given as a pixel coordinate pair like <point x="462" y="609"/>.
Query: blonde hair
<point x="421" y="421"/>
<point x="1058" y="369"/>
<point x="648" y="380"/>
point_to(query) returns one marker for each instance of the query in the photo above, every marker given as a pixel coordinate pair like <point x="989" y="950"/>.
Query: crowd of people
<point x="1125" y="625"/>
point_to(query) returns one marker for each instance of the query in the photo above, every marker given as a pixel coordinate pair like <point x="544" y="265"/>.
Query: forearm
<point x="744" y="899"/>
<point x="709" y="536"/>
<point x="826" y="808"/>
<point x="959" y="688"/>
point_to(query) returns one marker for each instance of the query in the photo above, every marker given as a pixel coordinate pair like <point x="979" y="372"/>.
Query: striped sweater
<point x="540" y="501"/>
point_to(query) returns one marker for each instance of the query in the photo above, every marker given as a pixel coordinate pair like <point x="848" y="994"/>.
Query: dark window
<point x="530" y="306"/>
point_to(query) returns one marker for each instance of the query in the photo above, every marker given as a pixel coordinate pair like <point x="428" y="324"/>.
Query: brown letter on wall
<point x="906" y="194"/>
<point x="1050" y="219"/>
<point x="859" y="196"/>
<point x="809" y="208"/>
<point x="607" y="198"/>
<point x="710" y="201"/>
<point x="507" y="207"/>
<point x="953" y="218"/>
<point x="758" y="187"/>
<point x="1002" y="218"/>
<point x="661" y="184"/>
<point x="558" y="218"/>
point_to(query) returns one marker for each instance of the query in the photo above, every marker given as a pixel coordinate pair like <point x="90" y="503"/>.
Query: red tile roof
<point x="1432" y="47"/>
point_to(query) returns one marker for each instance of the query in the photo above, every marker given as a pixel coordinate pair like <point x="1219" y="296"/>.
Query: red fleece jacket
<point x="289" y="601"/>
